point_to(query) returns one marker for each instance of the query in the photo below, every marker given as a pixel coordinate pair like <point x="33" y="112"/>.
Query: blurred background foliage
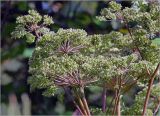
<point x="16" y="97"/>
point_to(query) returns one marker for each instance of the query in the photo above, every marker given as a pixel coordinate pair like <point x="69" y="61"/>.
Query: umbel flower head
<point x="29" y="26"/>
<point x="58" y="61"/>
<point x="61" y="53"/>
<point x="72" y="79"/>
<point x="66" y="48"/>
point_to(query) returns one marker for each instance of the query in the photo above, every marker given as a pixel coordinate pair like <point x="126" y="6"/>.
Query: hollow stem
<point x="118" y="106"/>
<point x="81" y="105"/>
<point x="116" y="98"/>
<point x="149" y="89"/>
<point x="119" y="98"/>
<point x="85" y="101"/>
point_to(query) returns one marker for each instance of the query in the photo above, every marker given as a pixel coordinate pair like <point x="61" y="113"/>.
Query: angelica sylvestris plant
<point x="72" y="60"/>
<point x="32" y="26"/>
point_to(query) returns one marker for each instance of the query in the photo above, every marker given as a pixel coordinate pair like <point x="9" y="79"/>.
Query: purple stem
<point x="104" y="99"/>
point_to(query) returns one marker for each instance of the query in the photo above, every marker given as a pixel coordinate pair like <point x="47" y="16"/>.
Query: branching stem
<point x="85" y="101"/>
<point x="149" y="89"/>
<point x="81" y="105"/>
<point x="80" y="96"/>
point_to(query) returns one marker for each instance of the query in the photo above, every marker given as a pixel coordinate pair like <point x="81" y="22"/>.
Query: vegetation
<point x="72" y="60"/>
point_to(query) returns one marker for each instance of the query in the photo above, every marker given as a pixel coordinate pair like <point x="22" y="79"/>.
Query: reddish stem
<point x="149" y="89"/>
<point x="119" y="107"/>
<point x="81" y="105"/>
<point x="117" y="103"/>
<point x="85" y="101"/>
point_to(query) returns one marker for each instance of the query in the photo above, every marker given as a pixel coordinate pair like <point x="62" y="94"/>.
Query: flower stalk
<point x="152" y="77"/>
